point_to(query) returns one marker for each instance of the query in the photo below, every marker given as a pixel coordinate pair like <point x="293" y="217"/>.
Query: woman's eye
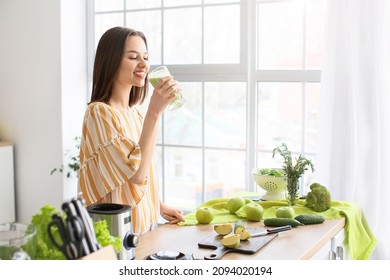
<point x="146" y="58"/>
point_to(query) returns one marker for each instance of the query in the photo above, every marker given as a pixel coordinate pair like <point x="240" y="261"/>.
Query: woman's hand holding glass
<point x="161" y="78"/>
<point x="163" y="94"/>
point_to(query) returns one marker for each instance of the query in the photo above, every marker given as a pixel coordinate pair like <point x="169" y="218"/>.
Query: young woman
<point x="117" y="142"/>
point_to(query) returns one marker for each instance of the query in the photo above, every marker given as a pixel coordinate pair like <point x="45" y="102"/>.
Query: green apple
<point x="248" y="200"/>
<point x="231" y="240"/>
<point x="223" y="229"/>
<point x="204" y="215"/>
<point x="235" y="203"/>
<point x="285" y="212"/>
<point x="254" y="212"/>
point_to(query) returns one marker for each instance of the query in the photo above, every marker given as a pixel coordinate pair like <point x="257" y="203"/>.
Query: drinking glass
<point x="161" y="72"/>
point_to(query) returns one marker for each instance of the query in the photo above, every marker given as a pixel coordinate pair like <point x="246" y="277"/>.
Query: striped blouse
<point x="109" y="157"/>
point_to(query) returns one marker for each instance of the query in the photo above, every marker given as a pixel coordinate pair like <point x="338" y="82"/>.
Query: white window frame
<point x="245" y="71"/>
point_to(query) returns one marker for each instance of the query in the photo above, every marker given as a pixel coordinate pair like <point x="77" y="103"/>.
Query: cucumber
<point x="278" y="222"/>
<point x="309" y="219"/>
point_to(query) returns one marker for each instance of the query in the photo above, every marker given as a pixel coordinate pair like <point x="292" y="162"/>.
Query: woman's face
<point x="135" y="65"/>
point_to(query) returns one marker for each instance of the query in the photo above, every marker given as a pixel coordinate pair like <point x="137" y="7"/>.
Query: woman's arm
<point x="162" y="95"/>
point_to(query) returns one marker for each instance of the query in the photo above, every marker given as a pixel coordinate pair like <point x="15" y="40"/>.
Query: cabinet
<point x="7" y="185"/>
<point x="333" y="249"/>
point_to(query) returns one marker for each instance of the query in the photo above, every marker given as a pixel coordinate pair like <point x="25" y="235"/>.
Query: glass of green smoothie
<point x="161" y="72"/>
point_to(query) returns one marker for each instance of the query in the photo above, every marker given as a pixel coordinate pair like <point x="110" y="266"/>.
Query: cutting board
<point x="250" y="246"/>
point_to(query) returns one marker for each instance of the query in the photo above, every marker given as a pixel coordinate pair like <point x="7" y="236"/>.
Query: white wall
<point x="73" y="78"/>
<point x="39" y="74"/>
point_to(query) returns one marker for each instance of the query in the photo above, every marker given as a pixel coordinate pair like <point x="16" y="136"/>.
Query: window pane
<point x="108" y="5"/>
<point x="312" y="116"/>
<point x="225" y="114"/>
<point x="103" y="22"/>
<point x="174" y="3"/>
<point x="222" y="34"/>
<point x="220" y="1"/>
<point x="144" y="107"/>
<point x="224" y="173"/>
<point x="280" y="35"/>
<point x="182" y="39"/>
<point x="183" y="177"/>
<point x="279" y="115"/>
<point x="184" y="126"/>
<point x="149" y="22"/>
<point x="315" y="33"/>
<point x="265" y="160"/>
<point x="142" y="4"/>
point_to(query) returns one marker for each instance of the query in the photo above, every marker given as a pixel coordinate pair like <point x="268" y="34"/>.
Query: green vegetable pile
<point x="319" y="198"/>
<point x="272" y="172"/>
<point x="44" y="249"/>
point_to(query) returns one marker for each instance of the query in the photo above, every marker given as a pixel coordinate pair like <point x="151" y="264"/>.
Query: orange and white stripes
<point x="109" y="157"/>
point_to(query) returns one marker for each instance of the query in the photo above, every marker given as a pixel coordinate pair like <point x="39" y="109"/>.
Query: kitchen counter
<point x="302" y="242"/>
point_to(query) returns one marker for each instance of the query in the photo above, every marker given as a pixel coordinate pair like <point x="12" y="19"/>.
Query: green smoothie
<point x="154" y="81"/>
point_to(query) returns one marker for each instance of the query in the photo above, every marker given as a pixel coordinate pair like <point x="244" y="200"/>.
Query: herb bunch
<point x="293" y="171"/>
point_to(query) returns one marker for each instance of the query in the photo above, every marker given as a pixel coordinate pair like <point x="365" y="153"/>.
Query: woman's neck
<point x="120" y="98"/>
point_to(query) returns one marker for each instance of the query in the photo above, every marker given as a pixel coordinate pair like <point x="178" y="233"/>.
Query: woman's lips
<point x="140" y="74"/>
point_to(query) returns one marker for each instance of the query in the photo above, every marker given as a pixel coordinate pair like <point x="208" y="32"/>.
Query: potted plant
<point x="293" y="171"/>
<point x="74" y="161"/>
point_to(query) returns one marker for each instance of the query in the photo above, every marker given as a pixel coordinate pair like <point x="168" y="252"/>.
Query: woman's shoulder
<point x="97" y="108"/>
<point x="97" y="105"/>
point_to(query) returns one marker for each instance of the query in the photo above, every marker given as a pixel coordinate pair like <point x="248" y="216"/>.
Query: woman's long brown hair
<point x="108" y="57"/>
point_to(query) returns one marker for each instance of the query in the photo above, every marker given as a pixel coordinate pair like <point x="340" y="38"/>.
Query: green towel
<point x="359" y="240"/>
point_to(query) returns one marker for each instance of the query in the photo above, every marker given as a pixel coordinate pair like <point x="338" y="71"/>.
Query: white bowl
<point x="275" y="187"/>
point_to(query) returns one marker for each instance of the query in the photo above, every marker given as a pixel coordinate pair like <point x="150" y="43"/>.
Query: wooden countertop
<point x="300" y="242"/>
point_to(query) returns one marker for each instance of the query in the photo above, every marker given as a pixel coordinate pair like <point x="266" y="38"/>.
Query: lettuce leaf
<point x="104" y="237"/>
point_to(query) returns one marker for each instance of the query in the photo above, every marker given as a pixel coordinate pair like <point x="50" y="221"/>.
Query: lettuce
<point x="104" y="237"/>
<point x="43" y="249"/>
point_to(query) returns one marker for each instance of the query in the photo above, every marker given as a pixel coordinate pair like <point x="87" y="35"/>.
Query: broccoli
<point x="318" y="198"/>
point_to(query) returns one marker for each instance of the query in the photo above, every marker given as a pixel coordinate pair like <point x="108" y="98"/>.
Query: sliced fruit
<point x="243" y="233"/>
<point x="223" y="229"/>
<point x="238" y="224"/>
<point x="231" y="240"/>
<point x="239" y="228"/>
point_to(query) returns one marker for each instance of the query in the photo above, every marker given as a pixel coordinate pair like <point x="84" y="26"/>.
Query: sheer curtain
<point x="354" y="155"/>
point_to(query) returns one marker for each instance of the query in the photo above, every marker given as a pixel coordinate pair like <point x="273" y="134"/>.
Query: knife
<point x="90" y="235"/>
<point x="269" y="231"/>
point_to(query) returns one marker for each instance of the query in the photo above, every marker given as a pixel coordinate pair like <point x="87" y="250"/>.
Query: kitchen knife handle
<point x="90" y="231"/>
<point x="279" y="229"/>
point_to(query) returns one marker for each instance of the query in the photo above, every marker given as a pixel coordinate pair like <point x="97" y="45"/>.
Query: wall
<point x="37" y="73"/>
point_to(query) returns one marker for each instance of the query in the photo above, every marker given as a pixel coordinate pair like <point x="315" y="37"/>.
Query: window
<point x="250" y="71"/>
